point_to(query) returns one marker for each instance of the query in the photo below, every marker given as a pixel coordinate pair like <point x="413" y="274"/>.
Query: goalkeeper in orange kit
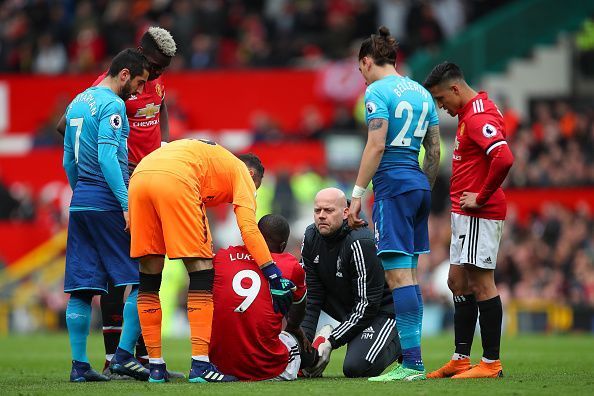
<point x="169" y="192"/>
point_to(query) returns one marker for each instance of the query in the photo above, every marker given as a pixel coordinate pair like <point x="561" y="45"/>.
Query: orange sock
<point x="149" y="311"/>
<point x="200" y="309"/>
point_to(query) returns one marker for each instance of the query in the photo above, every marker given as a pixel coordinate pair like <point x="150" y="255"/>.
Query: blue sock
<point x="420" y="299"/>
<point x="78" y="321"/>
<point x="131" y="326"/>
<point x="406" y="307"/>
<point x="415" y="260"/>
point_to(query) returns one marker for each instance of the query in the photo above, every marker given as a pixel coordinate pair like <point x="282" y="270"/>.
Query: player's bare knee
<point x="481" y="290"/>
<point x="457" y="286"/>
<point x="152" y="264"/>
<point x="197" y="264"/>
<point x="398" y="278"/>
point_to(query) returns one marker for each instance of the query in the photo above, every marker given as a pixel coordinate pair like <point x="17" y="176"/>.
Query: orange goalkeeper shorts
<point x="167" y="216"/>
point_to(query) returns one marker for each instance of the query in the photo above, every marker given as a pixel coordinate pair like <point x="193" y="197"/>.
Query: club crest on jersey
<point x="159" y="89"/>
<point x="115" y="121"/>
<point x="148" y="111"/>
<point x="489" y="131"/>
<point x="462" y="128"/>
<point x="371" y="107"/>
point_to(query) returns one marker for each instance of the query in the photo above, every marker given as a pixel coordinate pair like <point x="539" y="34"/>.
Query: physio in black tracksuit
<point x="345" y="279"/>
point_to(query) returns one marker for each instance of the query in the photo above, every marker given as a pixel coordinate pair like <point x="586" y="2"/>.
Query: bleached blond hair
<point x="163" y="40"/>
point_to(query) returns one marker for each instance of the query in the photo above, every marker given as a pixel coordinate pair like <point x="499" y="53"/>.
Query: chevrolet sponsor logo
<point x="148" y="111"/>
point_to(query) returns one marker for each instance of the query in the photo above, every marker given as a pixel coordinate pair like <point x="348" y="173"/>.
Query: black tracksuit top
<point x="344" y="278"/>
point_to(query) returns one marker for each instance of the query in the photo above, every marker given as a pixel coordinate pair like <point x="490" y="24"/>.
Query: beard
<point x="126" y="91"/>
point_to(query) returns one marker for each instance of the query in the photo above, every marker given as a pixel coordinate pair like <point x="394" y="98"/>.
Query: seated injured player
<point x="248" y="340"/>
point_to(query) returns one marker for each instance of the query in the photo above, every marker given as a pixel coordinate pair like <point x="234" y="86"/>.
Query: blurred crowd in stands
<point x="550" y="257"/>
<point x="51" y="37"/>
<point x="556" y="148"/>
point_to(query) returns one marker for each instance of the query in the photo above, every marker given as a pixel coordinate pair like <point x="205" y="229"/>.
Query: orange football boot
<point x="483" y="370"/>
<point x="451" y="368"/>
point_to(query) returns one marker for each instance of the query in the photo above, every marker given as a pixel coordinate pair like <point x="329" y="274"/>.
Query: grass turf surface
<point x="39" y="364"/>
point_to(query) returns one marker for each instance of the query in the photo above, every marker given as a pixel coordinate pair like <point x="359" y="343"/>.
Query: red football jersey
<point x="143" y="113"/>
<point x="245" y="328"/>
<point x="480" y="129"/>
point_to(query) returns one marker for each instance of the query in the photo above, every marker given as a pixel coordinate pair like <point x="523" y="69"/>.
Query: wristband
<point x="272" y="272"/>
<point x="358" y="192"/>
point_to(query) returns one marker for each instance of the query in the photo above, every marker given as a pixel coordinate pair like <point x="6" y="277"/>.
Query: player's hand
<point x="281" y="288"/>
<point x="324" y="351"/>
<point x="468" y="201"/>
<point x="127" y="220"/>
<point x="354" y="210"/>
<point x="301" y="338"/>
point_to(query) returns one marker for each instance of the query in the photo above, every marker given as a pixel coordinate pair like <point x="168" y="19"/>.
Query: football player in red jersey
<point x="147" y="112"/>
<point x="149" y="129"/>
<point x="480" y="163"/>
<point x="247" y="338"/>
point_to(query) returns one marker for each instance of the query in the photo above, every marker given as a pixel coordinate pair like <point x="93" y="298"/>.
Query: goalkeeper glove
<point x="281" y="288"/>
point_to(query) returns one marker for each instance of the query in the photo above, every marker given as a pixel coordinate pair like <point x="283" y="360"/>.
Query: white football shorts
<point x="294" y="363"/>
<point x="475" y="241"/>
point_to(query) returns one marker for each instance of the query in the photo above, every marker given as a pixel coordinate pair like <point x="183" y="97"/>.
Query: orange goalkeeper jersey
<point x="218" y="177"/>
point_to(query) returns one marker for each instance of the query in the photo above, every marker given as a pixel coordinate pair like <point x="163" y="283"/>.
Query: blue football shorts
<point x="98" y="250"/>
<point x="401" y="224"/>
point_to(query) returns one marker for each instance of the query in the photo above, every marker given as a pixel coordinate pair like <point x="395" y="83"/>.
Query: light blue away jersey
<point x="96" y="116"/>
<point x="409" y="109"/>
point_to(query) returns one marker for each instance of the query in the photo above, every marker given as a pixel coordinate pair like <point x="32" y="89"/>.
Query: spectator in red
<point x="567" y="119"/>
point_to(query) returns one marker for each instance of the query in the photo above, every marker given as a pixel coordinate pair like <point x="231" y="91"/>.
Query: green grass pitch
<point x="533" y="364"/>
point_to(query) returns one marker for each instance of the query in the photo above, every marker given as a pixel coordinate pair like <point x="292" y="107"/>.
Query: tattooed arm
<point x="432" y="152"/>
<point x="374" y="149"/>
<point x="372" y="155"/>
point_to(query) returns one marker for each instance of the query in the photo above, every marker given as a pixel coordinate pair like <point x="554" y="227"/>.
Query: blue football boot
<point x="159" y="373"/>
<point x="82" y="372"/>
<point x="207" y="372"/>
<point x="124" y="363"/>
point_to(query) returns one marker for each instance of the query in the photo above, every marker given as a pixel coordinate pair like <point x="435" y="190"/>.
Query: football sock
<point x="459" y="356"/>
<point x="78" y="321"/>
<point x="420" y="300"/>
<point x="141" y="352"/>
<point x="149" y="313"/>
<point x="406" y="307"/>
<point x="465" y="314"/>
<point x="112" y="308"/>
<point x="490" y="321"/>
<point x="131" y="328"/>
<point x="200" y="311"/>
<point x="415" y="264"/>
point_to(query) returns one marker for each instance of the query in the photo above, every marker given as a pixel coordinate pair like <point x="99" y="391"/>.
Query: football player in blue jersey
<point x="98" y="247"/>
<point x="401" y="115"/>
